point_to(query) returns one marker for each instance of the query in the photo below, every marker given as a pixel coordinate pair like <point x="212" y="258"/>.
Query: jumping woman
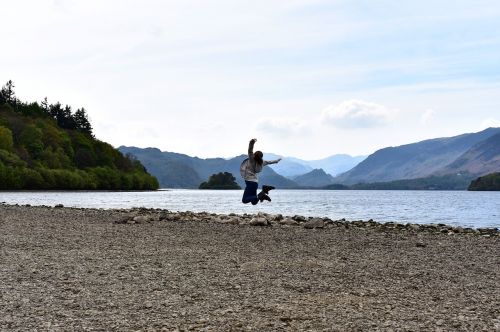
<point x="249" y="169"/>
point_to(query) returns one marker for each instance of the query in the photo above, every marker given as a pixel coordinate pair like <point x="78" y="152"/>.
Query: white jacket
<point x="249" y="167"/>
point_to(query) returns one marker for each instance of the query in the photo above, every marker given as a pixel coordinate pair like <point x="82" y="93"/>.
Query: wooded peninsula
<point x="51" y="147"/>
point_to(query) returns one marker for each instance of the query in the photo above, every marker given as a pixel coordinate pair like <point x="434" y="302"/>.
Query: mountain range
<point x="176" y="170"/>
<point x="474" y="153"/>
<point x="332" y="165"/>
<point x="440" y="163"/>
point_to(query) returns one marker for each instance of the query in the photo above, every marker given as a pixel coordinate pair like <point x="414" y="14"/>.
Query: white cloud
<point x="280" y="126"/>
<point x="490" y="122"/>
<point x="427" y="116"/>
<point x="357" y="114"/>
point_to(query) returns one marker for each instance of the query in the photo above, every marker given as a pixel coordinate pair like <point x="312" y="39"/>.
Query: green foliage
<point x="490" y="182"/>
<point x="6" y="140"/>
<point x="220" y="180"/>
<point x="31" y="139"/>
<point x="47" y="147"/>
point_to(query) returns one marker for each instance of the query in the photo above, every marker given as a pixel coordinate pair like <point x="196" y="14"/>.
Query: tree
<point x="45" y="105"/>
<point x="8" y="93"/>
<point x="82" y="122"/>
<point x="220" y="180"/>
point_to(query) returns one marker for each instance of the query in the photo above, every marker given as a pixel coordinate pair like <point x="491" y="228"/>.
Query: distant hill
<point x="489" y="182"/>
<point x="426" y="158"/>
<point x="445" y="182"/>
<point x="175" y="170"/>
<point x="333" y="165"/>
<point x="481" y="158"/>
<point x="288" y="167"/>
<point x="315" y="178"/>
<point x="50" y="147"/>
<point x="336" y="164"/>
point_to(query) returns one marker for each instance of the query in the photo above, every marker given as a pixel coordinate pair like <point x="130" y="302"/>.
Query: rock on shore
<point x="142" y="269"/>
<point x="144" y="215"/>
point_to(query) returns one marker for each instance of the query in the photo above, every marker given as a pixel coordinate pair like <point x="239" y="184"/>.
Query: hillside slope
<point x="417" y="160"/>
<point x="482" y="158"/>
<point x="315" y="178"/>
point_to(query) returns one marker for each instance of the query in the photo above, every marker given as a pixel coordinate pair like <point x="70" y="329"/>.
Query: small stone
<point x="289" y="222"/>
<point x="299" y="218"/>
<point x="122" y="220"/>
<point x="277" y="217"/>
<point x="258" y="221"/>
<point x="141" y="219"/>
<point x="414" y="227"/>
<point x="314" y="223"/>
<point x="420" y="245"/>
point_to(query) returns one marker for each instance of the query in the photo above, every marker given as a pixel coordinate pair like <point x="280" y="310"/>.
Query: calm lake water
<point x="471" y="209"/>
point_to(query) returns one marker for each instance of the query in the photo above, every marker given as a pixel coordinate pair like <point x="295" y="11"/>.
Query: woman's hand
<point x="253" y="140"/>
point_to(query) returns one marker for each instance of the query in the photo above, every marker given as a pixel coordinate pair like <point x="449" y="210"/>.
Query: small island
<point x="222" y="180"/>
<point x="490" y="182"/>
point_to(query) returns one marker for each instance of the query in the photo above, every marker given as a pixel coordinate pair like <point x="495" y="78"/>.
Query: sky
<point x="307" y="78"/>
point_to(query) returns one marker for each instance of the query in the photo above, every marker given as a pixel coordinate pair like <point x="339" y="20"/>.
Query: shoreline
<point x="138" y="215"/>
<point x="147" y="269"/>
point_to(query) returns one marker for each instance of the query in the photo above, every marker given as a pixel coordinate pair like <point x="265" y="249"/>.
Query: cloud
<point x="357" y="114"/>
<point x="490" y="122"/>
<point x="280" y="126"/>
<point x="427" y="116"/>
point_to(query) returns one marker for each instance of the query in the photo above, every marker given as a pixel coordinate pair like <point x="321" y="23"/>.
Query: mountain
<point x="420" y="160"/>
<point x="336" y="164"/>
<point x="288" y="167"/>
<point x="333" y="165"/>
<point x="175" y="170"/>
<point x="481" y="158"/>
<point x="315" y="178"/>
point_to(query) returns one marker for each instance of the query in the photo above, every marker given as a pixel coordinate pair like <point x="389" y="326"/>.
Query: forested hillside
<point x="48" y="146"/>
<point x="489" y="182"/>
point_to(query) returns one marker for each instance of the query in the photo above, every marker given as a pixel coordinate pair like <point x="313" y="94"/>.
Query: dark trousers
<point x="250" y="193"/>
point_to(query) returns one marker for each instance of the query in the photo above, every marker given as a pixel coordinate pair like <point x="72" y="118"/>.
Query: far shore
<point x="149" y="269"/>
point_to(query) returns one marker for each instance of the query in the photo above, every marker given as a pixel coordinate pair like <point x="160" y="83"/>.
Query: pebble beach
<point x="71" y="269"/>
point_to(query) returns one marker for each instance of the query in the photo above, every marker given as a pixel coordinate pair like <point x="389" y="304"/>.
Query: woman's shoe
<point x="263" y="196"/>
<point x="266" y="188"/>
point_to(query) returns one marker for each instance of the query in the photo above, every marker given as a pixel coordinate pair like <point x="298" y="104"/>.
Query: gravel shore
<point x="67" y="269"/>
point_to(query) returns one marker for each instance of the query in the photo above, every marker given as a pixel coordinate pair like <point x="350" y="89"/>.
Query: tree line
<point x="46" y="146"/>
<point x="64" y="116"/>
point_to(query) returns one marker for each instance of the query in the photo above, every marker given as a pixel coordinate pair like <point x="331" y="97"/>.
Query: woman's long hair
<point x="257" y="156"/>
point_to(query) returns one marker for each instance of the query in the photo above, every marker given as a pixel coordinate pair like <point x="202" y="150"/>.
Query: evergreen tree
<point x="8" y="93"/>
<point x="82" y="123"/>
<point x="45" y="105"/>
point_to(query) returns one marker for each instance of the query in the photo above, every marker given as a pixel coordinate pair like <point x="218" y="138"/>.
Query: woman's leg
<point x="250" y="193"/>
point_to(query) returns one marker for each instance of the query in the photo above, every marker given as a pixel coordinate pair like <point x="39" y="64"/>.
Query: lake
<point x="458" y="208"/>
